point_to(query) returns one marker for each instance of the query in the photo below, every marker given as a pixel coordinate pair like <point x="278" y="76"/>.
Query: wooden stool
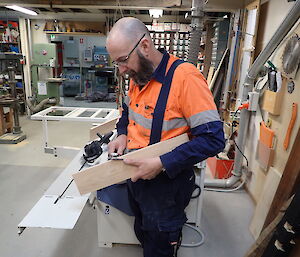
<point x="6" y="121"/>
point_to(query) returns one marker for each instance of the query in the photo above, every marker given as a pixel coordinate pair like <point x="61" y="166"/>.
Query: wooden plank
<point x="212" y="82"/>
<point x="210" y="74"/>
<point x="103" y="128"/>
<point x="289" y="181"/>
<point x="265" y="155"/>
<point x="265" y="201"/>
<point x="112" y="172"/>
<point x="259" y="246"/>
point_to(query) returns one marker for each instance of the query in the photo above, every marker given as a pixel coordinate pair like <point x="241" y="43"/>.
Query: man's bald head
<point x="130" y="46"/>
<point x="127" y="29"/>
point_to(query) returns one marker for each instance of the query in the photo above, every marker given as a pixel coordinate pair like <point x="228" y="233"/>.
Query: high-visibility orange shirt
<point x="190" y="108"/>
<point x="189" y="105"/>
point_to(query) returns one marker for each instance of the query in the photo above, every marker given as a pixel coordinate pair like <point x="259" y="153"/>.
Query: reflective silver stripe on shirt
<point x="202" y="118"/>
<point x="194" y="121"/>
<point x="140" y="119"/>
<point x="147" y="123"/>
<point x="174" y="124"/>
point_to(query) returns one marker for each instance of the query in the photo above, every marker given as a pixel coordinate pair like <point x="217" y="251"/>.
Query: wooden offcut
<point x="289" y="182"/>
<point x="103" y="128"/>
<point x="264" y="203"/>
<point x="272" y="101"/>
<point x="115" y="171"/>
<point x="261" y="243"/>
<point x="265" y="155"/>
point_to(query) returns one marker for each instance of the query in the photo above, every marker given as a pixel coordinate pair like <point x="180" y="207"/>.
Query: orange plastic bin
<point x="220" y="168"/>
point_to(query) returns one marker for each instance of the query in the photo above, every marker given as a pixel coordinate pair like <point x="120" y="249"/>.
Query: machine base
<point x="10" y="138"/>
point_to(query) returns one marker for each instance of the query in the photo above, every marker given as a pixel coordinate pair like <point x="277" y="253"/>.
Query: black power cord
<point x="91" y="152"/>
<point x="234" y="115"/>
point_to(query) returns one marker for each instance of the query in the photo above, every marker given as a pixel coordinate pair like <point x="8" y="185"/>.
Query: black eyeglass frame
<point x="117" y="63"/>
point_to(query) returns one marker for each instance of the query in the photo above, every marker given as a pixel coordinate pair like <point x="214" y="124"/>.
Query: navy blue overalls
<point x="158" y="204"/>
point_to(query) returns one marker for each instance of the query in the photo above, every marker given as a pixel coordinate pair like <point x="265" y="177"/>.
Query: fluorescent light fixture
<point x="21" y="9"/>
<point x="155" y="13"/>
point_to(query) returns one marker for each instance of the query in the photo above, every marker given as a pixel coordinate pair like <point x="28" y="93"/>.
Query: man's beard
<point x="144" y="73"/>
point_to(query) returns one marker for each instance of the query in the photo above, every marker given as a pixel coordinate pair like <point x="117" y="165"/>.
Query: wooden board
<point x="103" y="128"/>
<point x="289" y="181"/>
<point x="265" y="156"/>
<point x="272" y="101"/>
<point x="265" y="201"/>
<point x="213" y="80"/>
<point x="259" y="246"/>
<point x="210" y="74"/>
<point x="115" y="171"/>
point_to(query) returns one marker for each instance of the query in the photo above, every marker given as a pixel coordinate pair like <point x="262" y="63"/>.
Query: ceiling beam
<point x="94" y="10"/>
<point x="171" y="5"/>
<point x="99" y="4"/>
<point x="163" y="3"/>
<point x="102" y="17"/>
<point x="107" y="4"/>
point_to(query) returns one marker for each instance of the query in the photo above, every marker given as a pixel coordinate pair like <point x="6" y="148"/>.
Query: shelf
<point x="74" y="33"/>
<point x="14" y="43"/>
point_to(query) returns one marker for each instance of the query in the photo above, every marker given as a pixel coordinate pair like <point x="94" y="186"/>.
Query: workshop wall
<point x="37" y="32"/>
<point x="38" y="36"/>
<point x="272" y="13"/>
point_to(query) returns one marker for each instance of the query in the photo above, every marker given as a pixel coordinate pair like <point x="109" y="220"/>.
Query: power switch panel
<point x="253" y="101"/>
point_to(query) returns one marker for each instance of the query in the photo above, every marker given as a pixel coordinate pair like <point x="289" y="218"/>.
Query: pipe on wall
<point x="248" y="85"/>
<point x="197" y="28"/>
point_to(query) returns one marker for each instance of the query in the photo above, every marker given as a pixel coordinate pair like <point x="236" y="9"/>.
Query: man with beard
<point x="166" y="98"/>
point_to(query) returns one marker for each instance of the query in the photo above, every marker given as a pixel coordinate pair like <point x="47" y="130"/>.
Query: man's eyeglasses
<point x="123" y="60"/>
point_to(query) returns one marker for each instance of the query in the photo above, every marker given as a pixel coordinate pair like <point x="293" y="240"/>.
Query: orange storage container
<point x="220" y="168"/>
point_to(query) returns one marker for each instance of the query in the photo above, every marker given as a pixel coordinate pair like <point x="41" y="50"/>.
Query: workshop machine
<point x="62" y="204"/>
<point x="45" y="81"/>
<point x="12" y="61"/>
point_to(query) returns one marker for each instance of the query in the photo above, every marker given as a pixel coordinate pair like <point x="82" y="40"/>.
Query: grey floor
<point x="26" y="172"/>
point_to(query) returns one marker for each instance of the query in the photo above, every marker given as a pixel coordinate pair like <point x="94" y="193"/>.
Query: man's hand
<point x="118" y="145"/>
<point x="147" y="168"/>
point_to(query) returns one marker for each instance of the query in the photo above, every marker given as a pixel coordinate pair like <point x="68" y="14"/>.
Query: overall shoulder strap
<point x="159" y="111"/>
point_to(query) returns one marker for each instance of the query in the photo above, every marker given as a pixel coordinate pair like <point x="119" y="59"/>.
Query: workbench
<point x="61" y="205"/>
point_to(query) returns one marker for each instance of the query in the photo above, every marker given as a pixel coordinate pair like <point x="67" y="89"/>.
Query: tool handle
<point x="291" y="125"/>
